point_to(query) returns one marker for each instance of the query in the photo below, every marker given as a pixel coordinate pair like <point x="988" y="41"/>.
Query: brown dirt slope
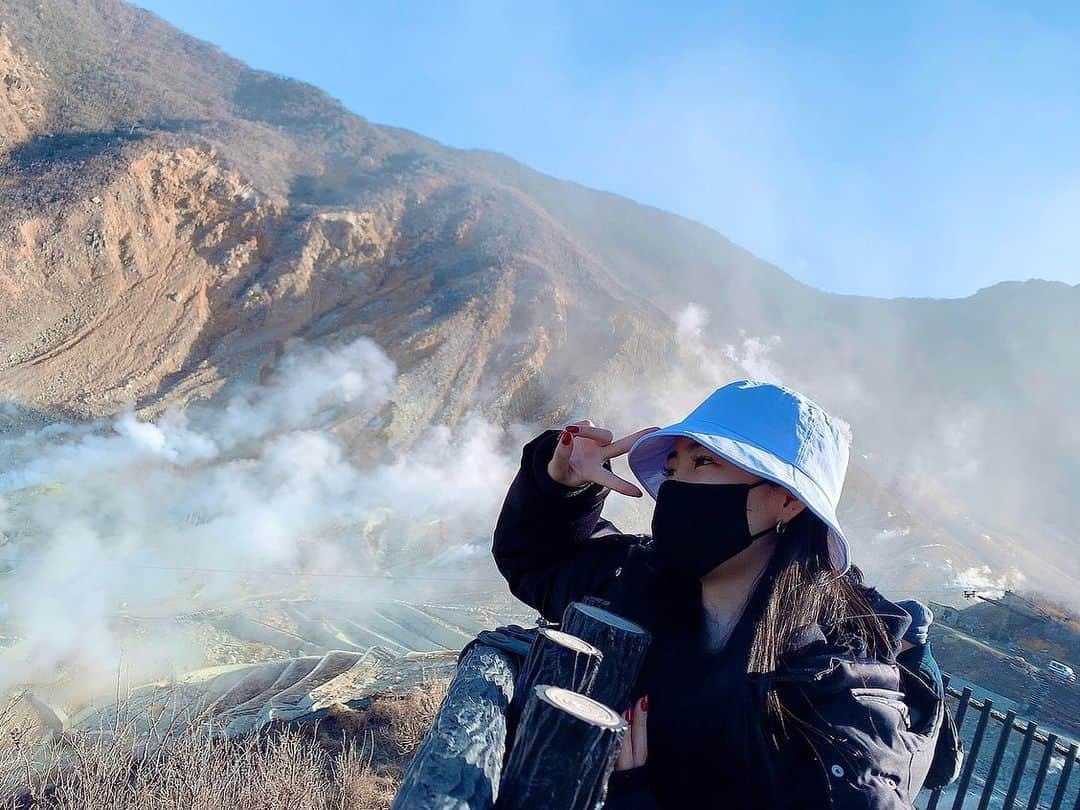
<point x="172" y="217"/>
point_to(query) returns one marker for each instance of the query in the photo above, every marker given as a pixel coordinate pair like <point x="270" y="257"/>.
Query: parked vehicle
<point x="1060" y="670"/>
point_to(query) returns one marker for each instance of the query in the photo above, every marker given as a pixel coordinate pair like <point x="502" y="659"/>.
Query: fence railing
<point x="1009" y="763"/>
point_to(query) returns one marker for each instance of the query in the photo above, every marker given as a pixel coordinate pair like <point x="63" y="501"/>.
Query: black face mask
<point x="696" y="527"/>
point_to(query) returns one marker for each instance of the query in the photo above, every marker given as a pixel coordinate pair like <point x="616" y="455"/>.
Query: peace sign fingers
<point x="624" y="444"/>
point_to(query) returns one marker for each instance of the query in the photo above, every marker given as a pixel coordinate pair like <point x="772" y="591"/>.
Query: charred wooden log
<point x="622" y="644"/>
<point x="564" y="752"/>
<point x="459" y="762"/>
<point x="558" y="659"/>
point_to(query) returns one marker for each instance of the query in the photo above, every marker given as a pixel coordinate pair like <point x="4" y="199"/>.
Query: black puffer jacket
<point x="865" y="729"/>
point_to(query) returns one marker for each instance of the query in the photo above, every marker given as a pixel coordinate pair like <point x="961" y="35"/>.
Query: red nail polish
<point x="566" y="438"/>
<point x="573" y="428"/>
<point x="645" y="703"/>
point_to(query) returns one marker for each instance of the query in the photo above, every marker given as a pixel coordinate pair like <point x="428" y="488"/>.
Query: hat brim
<point x="648" y="456"/>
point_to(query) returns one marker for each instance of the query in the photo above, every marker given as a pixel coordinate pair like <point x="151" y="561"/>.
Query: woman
<point x="771" y="681"/>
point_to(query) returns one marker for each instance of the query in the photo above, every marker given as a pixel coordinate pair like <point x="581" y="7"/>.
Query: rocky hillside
<point x="169" y="217"/>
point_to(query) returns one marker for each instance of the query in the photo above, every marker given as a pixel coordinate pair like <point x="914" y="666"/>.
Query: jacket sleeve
<point x="550" y="542"/>
<point x="944" y="764"/>
<point x="854" y="749"/>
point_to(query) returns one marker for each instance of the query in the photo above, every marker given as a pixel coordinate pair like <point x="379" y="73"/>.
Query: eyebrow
<point x="675" y="453"/>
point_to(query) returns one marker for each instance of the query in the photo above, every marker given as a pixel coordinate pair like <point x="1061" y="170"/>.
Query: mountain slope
<point x="170" y="217"/>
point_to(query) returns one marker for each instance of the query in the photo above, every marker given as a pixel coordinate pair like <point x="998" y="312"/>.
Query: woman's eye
<point x="668" y="473"/>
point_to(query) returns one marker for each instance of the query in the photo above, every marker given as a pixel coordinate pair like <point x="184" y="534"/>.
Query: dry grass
<point x="349" y="760"/>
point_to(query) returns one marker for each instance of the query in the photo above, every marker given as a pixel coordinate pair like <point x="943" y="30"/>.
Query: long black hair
<point x="800" y="590"/>
<point x="804" y="590"/>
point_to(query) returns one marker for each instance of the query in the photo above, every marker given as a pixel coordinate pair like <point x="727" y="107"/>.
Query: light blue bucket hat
<point x="771" y="431"/>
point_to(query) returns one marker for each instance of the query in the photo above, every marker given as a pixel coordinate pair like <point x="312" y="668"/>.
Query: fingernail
<point x="566" y="438"/>
<point x="572" y="428"/>
<point x="645" y="703"/>
<point x="626" y="714"/>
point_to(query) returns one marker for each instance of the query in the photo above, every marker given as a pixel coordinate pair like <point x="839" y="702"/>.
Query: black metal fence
<point x="1009" y="763"/>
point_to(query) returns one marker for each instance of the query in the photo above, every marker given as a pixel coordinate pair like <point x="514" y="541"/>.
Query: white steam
<point x="986" y="581"/>
<point x="198" y="510"/>
<point x="753" y="355"/>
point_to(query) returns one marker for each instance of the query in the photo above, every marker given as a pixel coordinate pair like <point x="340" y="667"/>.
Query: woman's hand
<point x="581" y="452"/>
<point x="635" y="745"/>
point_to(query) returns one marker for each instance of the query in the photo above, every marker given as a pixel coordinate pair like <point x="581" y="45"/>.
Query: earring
<point x="781" y="527"/>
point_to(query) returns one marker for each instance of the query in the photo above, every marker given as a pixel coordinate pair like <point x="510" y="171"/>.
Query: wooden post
<point x="564" y="753"/>
<point x="622" y="645"/>
<point x="558" y="659"/>
<point x="458" y="764"/>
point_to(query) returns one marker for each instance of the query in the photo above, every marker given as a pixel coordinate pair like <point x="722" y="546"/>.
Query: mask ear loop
<point x="780" y="527"/>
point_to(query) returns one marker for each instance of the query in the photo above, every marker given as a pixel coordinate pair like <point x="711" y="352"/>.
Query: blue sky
<point x="909" y="149"/>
